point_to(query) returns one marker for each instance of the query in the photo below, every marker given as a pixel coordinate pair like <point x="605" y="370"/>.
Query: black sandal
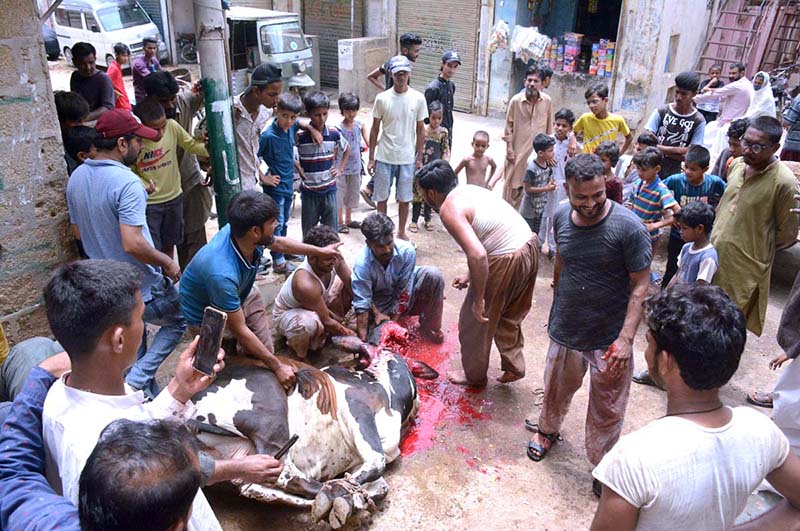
<point x="540" y="452"/>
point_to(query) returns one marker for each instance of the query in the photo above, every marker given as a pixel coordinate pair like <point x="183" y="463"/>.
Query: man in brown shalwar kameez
<point x="502" y="257"/>
<point x="529" y="113"/>
<point x="754" y="220"/>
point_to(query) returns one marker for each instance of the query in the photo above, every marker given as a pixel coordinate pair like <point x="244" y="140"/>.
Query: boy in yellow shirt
<point x="599" y="124"/>
<point x="159" y="170"/>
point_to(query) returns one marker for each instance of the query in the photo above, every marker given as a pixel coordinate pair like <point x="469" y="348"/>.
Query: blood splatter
<point x="440" y="402"/>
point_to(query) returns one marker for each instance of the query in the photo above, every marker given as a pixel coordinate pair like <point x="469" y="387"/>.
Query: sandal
<point x="413" y="228"/>
<point x="643" y="378"/>
<point x="760" y="399"/>
<point x="428" y="225"/>
<point x="535" y="451"/>
<point x="354" y="224"/>
<point x="343" y="229"/>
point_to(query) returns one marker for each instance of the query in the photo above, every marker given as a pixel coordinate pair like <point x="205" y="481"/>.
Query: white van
<point x="104" y="23"/>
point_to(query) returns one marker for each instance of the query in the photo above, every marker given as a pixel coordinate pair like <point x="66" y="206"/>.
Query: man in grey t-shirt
<point x="107" y="205"/>
<point x="601" y="276"/>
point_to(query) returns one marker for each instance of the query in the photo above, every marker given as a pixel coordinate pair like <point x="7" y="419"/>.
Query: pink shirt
<point x="734" y="99"/>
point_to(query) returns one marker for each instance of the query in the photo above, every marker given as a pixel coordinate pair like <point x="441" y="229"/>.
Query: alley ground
<point x="475" y="475"/>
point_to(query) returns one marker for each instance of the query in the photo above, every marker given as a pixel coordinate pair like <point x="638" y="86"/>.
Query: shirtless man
<point x="502" y="257"/>
<point x="314" y="299"/>
<point x="477" y="163"/>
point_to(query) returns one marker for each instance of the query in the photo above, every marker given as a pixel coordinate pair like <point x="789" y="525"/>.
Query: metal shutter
<point x="331" y="20"/>
<point x="443" y="25"/>
<point x="153" y="8"/>
<point x="260" y="4"/>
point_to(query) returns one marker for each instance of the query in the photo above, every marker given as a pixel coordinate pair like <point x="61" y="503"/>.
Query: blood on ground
<point x="440" y="401"/>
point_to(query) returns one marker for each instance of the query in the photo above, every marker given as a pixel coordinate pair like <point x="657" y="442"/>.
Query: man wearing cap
<point x="443" y="90"/>
<point x="400" y="112"/>
<point x="107" y="205"/>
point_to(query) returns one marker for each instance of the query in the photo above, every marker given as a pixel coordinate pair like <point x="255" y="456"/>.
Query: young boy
<point x="320" y="170"/>
<point x="276" y="148"/>
<point x="72" y="110"/>
<point x="443" y="90"/>
<point x="562" y="128"/>
<point x="734" y="150"/>
<point x="79" y="146"/>
<point x="652" y="201"/>
<point x="538" y="181"/>
<point x="678" y="124"/>
<point x="122" y="56"/>
<point x="690" y="186"/>
<point x="476" y="164"/>
<point x="698" y="260"/>
<point x="626" y="170"/>
<point x="599" y="124"/>
<point x="608" y="152"/>
<point x="348" y="183"/>
<point x="437" y="147"/>
<point x="159" y="169"/>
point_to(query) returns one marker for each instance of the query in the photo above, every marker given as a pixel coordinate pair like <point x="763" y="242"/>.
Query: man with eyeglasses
<point x="754" y="219"/>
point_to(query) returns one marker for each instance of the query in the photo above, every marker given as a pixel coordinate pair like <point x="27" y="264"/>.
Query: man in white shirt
<point x="399" y="115"/>
<point x="695" y="467"/>
<point x="94" y="308"/>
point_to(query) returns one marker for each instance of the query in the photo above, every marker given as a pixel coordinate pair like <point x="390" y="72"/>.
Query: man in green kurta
<point x="754" y="219"/>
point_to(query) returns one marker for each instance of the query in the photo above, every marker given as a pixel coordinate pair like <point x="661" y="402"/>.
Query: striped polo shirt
<point x="317" y="160"/>
<point x="650" y="201"/>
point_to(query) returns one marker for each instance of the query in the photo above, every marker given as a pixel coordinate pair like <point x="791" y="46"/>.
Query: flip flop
<point x="754" y="399"/>
<point x="643" y="378"/>
<point x="354" y="224"/>
<point x="536" y="452"/>
<point x="343" y="229"/>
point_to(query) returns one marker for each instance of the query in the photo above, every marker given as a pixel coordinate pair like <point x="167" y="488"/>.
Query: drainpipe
<point x="209" y="19"/>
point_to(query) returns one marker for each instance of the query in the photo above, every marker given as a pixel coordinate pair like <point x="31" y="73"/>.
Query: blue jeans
<point x="318" y="209"/>
<point x="15" y="369"/>
<point x="164" y="310"/>
<point x="284" y="213"/>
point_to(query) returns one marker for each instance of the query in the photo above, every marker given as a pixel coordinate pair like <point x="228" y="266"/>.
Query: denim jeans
<point x="318" y="209"/>
<point x="284" y="213"/>
<point x="164" y="310"/>
<point x="15" y="369"/>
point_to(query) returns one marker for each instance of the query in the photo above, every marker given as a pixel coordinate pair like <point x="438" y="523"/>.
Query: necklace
<point x="695" y="412"/>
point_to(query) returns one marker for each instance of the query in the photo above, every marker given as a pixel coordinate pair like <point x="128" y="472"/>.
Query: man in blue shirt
<point x="276" y="148"/>
<point x="222" y="275"/>
<point x="107" y="205"/>
<point x="387" y="284"/>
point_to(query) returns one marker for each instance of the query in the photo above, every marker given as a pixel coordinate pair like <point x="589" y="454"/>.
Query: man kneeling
<point x="387" y="284"/>
<point x="695" y="467"/>
<point x="315" y="298"/>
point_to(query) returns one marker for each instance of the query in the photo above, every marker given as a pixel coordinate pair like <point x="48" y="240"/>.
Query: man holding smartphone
<point x="223" y="273"/>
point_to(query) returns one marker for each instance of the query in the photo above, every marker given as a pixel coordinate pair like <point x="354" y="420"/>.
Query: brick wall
<point x="34" y="223"/>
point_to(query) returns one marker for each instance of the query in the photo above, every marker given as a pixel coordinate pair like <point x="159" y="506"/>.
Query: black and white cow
<point x="349" y="422"/>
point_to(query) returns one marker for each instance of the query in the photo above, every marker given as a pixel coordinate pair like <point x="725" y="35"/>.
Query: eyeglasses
<point x="754" y="148"/>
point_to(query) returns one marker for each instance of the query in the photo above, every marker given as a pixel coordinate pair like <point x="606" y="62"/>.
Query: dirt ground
<point x="476" y="474"/>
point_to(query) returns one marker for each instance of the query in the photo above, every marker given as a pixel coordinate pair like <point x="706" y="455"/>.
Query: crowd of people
<point x="87" y="407"/>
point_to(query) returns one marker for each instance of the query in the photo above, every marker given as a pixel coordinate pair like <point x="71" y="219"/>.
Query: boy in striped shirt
<point x="651" y="200"/>
<point x="319" y="165"/>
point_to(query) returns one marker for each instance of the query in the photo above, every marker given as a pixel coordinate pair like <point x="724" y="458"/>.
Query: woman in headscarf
<point x="763" y="103"/>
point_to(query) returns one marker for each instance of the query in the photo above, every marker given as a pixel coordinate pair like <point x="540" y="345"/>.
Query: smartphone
<point x="263" y="167"/>
<point x="211" y="331"/>
<point x="286" y="447"/>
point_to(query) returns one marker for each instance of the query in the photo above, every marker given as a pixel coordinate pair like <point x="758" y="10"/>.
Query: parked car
<point x="103" y="23"/>
<point x="51" y="46"/>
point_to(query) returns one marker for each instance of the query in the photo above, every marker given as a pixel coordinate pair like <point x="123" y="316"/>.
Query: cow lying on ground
<point x="349" y="422"/>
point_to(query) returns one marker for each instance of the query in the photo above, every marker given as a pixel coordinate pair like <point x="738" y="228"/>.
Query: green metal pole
<point x="222" y="145"/>
<point x="209" y="27"/>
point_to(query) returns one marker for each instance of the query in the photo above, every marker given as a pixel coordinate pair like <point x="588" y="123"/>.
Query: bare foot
<point x="459" y="378"/>
<point x="508" y="377"/>
<point x="434" y="336"/>
<point x="402" y="236"/>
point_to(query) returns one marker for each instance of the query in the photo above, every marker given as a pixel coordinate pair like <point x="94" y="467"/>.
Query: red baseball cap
<point x="119" y="122"/>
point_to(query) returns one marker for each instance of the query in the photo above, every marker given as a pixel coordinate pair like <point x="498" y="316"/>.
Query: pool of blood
<point x="440" y="402"/>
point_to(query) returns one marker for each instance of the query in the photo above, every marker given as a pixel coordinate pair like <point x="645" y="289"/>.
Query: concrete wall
<point x="381" y="20"/>
<point x="34" y="230"/>
<point x="357" y="58"/>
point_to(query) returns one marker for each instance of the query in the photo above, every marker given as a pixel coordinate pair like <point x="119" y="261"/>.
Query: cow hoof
<point x="341" y="511"/>
<point x="322" y="506"/>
